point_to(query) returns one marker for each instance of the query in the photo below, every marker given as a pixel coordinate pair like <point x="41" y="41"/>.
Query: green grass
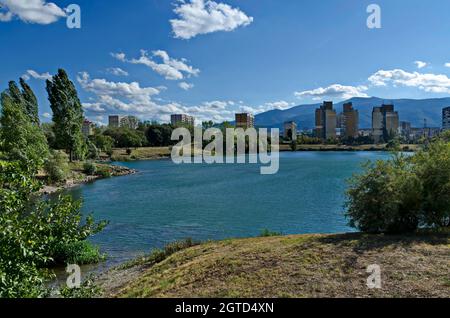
<point x="79" y="253"/>
<point x="295" y="266"/>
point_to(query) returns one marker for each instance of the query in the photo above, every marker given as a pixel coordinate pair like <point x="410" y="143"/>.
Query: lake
<point x="164" y="202"/>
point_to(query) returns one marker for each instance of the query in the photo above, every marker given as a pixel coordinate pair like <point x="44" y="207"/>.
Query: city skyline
<point x="218" y="69"/>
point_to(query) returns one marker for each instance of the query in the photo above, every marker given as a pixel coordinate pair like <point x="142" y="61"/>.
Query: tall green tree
<point x="30" y="102"/>
<point x="21" y="139"/>
<point x="67" y="115"/>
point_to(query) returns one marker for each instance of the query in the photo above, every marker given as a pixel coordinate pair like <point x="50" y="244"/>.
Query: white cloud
<point x="170" y="68"/>
<point x="447" y="64"/>
<point x="420" y="64"/>
<point x="47" y="115"/>
<point x="117" y="71"/>
<point x="202" y="17"/>
<point x="33" y="74"/>
<point x="335" y="91"/>
<point x="30" y="11"/>
<point x="186" y="86"/>
<point x="432" y="83"/>
<point x="281" y="105"/>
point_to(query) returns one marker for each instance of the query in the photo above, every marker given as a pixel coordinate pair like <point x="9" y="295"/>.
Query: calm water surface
<point x="165" y="202"/>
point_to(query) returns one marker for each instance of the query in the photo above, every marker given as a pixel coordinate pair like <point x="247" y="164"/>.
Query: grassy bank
<point x="142" y="153"/>
<point x="293" y="266"/>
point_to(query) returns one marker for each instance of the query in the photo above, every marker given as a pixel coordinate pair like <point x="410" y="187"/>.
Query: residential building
<point x="290" y="130"/>
<point x="385" y="122"/>
<point x="446" y="118"/>
<point x="87" y="128"/>
<point x="326" y="121"/>
<point x="349" y="121"/>
<point x="182" y="119"/>
<point x="114" y="121"/>
<point x="245" y="120"/>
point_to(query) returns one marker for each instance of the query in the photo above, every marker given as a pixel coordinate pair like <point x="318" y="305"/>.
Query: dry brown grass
<point x="296" y="266"/>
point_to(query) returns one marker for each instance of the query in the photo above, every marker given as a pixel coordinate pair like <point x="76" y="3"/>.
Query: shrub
<point x="104" y="172"/>
<point x="268" y="233"/>
<point x="89" y="168"/>
<point x="88" y="289"/>
<point x="128" y="151"/>
<point x="78" y="252"/>
<point x="57" y="166"/>
<point x="403" y="194"/>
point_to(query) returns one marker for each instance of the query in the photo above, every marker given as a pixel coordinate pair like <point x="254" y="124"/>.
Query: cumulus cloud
<point x="186" y="86"/>
<point x="420" y="64"/>
<point x="432" y="83"/>
<point x="170" y="68"/>
<point x="447" y="64"/>
<point x="335" y="91"/>
<point x="33" y="74"/>
<point x="47" y="115"/>
<point x="117" y="71"/>
<point x="202" y="17"/>
<point x="30" y="11"/>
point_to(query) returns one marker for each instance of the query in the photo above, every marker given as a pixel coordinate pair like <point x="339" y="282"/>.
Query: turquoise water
<point x="165" y="202"/>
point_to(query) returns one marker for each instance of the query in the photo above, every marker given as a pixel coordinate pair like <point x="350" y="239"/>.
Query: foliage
<point x="67" y="115"/>
<point x="159" y="135"/>
<point x="126" y="138"/>
<point x="92" y="151"/>
<point x="31" y="231"/>
<point x="89" y="168"/>
<point x="103" y="142"/>
<point x="268" y="233"/>
<point x="88" y="289"/>
<point x="404" y="193"/>
<point x="21" y="139"/>
<point x="104" y="172"/>
<point x="57" y="166"/>
<point x="78" y="252"/>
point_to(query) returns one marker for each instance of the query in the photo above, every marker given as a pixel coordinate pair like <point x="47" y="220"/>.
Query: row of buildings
<point x="328" y="123"/>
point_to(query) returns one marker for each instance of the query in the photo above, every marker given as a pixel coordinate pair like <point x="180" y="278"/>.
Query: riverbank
<point x="78" y="176"/>
<point x="292" y="266"/>
<point x="323" y="147"/>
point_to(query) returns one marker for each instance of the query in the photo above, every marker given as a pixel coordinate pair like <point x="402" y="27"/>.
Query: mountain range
<point x="410" y="110"/>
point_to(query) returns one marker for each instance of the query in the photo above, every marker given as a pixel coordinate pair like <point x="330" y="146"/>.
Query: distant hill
<point x="412" y="110"/>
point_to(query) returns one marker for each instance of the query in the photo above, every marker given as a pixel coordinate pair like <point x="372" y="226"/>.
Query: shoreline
<point x="116" y="171"/>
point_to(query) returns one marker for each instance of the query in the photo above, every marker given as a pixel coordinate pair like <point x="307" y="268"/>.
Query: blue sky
<point x="223" y="56"/>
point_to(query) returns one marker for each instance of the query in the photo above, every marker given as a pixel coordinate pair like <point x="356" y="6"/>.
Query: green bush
<point x="31" y="231"/>
<point x="79" y="252"/>
<point x="268" y="233"/>
<point x="88" y="289"/>
<point x="57" y="166"/>
<point x="104" y="172"/>
<point x="403" y="194"/>
<point x="89" y="168"/>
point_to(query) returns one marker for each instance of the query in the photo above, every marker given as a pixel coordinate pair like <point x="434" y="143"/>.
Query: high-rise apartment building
<point x="114" y="121"/>
<point x="245" y="120"/>
<point x="446" y="118"/>
<point x="87" y="129"/>
<point x="177" y="119"/>
<point x="385" y="122"/>
<point x="326" y="121"/>
<point x="349" y="121"/>
<point x="290" y="130"/>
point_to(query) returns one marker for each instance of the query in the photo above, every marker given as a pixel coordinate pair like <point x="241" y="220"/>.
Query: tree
<point x="67" y="115"/>
<point x="31" y="103"/>
<point x="21" y="138"/>
<point x="130" y="122"/>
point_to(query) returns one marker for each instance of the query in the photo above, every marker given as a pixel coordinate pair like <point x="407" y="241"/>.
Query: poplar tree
<point x="30" y="101"/>
<point x="67" y="115"/>
<point x="21" y="139"/>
